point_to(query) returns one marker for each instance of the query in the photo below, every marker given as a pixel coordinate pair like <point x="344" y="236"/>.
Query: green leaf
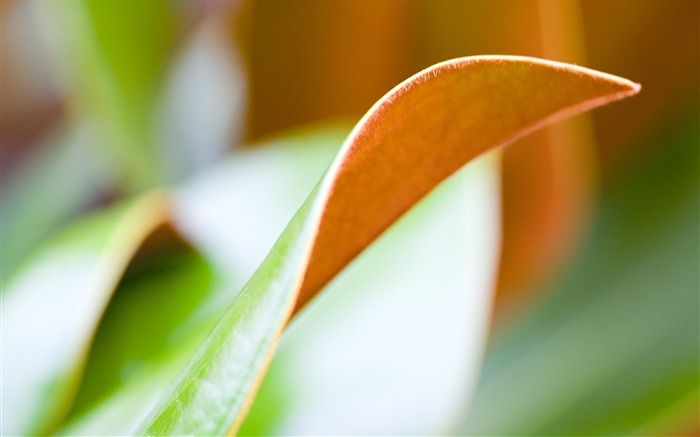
<point x="51" y="306"/>
<point x="417" y="135"/>
<point x="111" y="60"/>
<point x="150" y="329"/>
<point x="52" y="187"/>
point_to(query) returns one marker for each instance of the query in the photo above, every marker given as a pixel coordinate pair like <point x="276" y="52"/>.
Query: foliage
<point x="330" y="280"/>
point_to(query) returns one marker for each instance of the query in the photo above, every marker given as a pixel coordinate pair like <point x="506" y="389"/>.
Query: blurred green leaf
<point x="56" y="183"/>
<point x="111" y="58"/>
<point x="51" y="307"/>
<point x="135" y="42"/>
<point x="614" y="349"/>
<point x="149" y="331"/>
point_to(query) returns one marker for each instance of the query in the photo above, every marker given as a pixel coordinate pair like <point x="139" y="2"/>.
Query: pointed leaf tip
<point x="428" y="127"/>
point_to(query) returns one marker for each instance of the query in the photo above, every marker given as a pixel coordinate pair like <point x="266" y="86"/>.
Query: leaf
<point x="394" y="343"/>
<point x="50" y="309"/>
<point x="198" y="113"/>
<point x="54" y="184"/>
<point x="111" y="58"/>
<point x="390" y="164"/>
<point x="152" y="326"/>
<point x="413" y="138"/>
<point x="267" y="182"/>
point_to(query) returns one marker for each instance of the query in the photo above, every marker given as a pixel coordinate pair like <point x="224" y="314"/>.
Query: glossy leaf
<point x="51" y="307"/>
<point x="413" y="138"/>
<point x="393" y="345"/>
<point x="267" y="182"/>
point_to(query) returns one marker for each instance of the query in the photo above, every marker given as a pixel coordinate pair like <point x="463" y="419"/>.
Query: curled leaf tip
<point x="428" y="127"/>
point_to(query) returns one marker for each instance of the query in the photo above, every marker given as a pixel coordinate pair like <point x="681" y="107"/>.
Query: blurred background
<point x="595" y="326"/>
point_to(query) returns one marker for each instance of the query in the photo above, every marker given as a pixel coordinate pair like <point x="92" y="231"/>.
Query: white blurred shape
<point x="200" y="114"/>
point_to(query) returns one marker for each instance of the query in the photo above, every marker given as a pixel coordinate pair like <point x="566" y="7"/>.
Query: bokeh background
<point x="595" y="325"/>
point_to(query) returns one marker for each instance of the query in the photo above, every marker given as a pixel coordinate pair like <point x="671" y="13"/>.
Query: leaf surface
<point x="393" y="345"/>
<point x="152" y="326"/>
<point x="426" y="129"/>
<point x="413" y="138"/>
<point x="51" y="307"/>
